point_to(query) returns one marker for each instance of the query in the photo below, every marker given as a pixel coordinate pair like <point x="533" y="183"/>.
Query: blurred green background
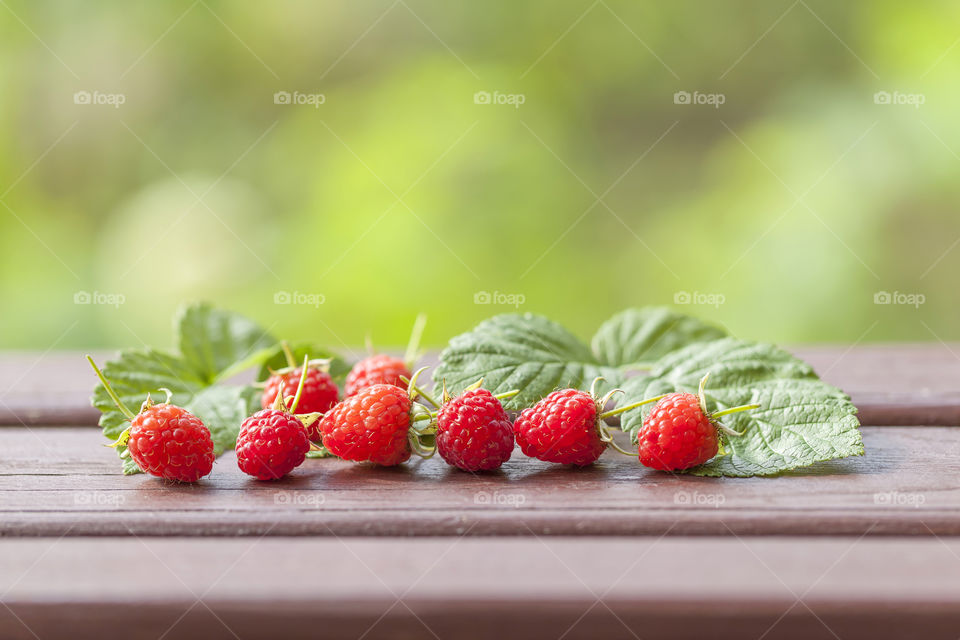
<point x="466" y="159"/>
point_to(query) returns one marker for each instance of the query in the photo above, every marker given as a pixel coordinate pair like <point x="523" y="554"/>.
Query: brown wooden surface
<point x="481" y="587"/>
<point x="858" y="548"/>
<point x="890" y="384"/>
<point x="56" y="481"/>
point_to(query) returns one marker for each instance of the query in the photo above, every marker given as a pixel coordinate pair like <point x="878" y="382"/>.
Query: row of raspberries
<point x="379" y="421"/>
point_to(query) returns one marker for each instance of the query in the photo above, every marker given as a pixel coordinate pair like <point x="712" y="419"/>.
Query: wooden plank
<point x="62" y="481"/>
<point x="479" y="588"/>
<point x="891" y="384"/>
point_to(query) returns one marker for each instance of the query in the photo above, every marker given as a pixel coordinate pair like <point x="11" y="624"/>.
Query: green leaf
<point x="519" y="351"/>
<point x="801" y="421"/>
<point x="641" y="336"/>
<point x="275" y="359"/>
<point x="212" y="340"/>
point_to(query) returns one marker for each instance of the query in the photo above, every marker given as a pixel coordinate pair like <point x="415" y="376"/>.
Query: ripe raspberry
<point x="271" y="444"/>
<point x="379" y="369"/>
<point x="676" y="434"/>
<point x="319" y="393"/>
<point x="371" y="425"/>
<point x="474" y="432"/>
<point x="563" y="427"/>
<point x="169" y="442"/>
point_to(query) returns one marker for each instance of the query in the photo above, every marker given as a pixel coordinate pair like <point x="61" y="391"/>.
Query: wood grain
<point x="891" y="385"/>
<point x="469" y="588"/>
<point x="56" y="481"/>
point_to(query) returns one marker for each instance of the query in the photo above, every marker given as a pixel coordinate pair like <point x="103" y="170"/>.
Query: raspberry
<point x="473" y="432"/>
<point x="563" y="428"/>
<point x="371" y="425"/>
<point x="676" y="434"/>
<point x="379" y="369"/>
<point x="319" y="394"/>
<point x="169" y="442"/>
<point x="271" y="444"/>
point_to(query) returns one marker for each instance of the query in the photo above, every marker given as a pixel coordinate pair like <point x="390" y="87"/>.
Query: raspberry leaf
<point x="215" y="343"/>
<point x="639" y="337"/>
<point x="519" y="351"/>
<point x="801" y="421"/>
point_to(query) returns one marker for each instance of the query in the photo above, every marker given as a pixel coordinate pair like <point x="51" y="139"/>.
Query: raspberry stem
<point x="413" y="346"/>
<point x="288" y="354"/>
<point x="726" y="412"/>
<point x="303" y="378"/>
<point x="113" y="396"/>
<point x="619" y="410"/>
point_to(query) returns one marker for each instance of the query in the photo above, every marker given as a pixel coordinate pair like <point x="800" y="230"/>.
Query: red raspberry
<point x="677" y="435"/>
<point x="169" y="442"/>
<point x="563" y="427"/>
<point x="370" y="426"/>
<point x="474" y="432"/>
<point x="379" y="369"/>
<point x="319" y="393"/>
<point x="271" y="444"/>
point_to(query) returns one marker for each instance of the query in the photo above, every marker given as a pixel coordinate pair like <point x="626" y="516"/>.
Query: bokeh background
<point x="467" y="159"/>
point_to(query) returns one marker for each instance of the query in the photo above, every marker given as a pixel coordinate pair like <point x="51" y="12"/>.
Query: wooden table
<point x="858" y="548"/>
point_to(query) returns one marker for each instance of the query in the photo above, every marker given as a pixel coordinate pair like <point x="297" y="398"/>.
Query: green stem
<point x="303" y="378"/>
<point x="507" y="394"/>
<point x="113" y="396"/>
<point x="426" y="396"/>
<point x="619" y="410"/>
<point x="291" y="361"/>
<point x="727" y="412"/>
<point x="410" y="356"/>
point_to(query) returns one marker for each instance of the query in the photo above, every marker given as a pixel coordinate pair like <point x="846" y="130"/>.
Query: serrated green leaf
<point x="802" y="420"/>
<point x="212" y="340"/>
<point x="641" y="336"/>
<point x="519" y="351"/>
<point x="275" y="359"/>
